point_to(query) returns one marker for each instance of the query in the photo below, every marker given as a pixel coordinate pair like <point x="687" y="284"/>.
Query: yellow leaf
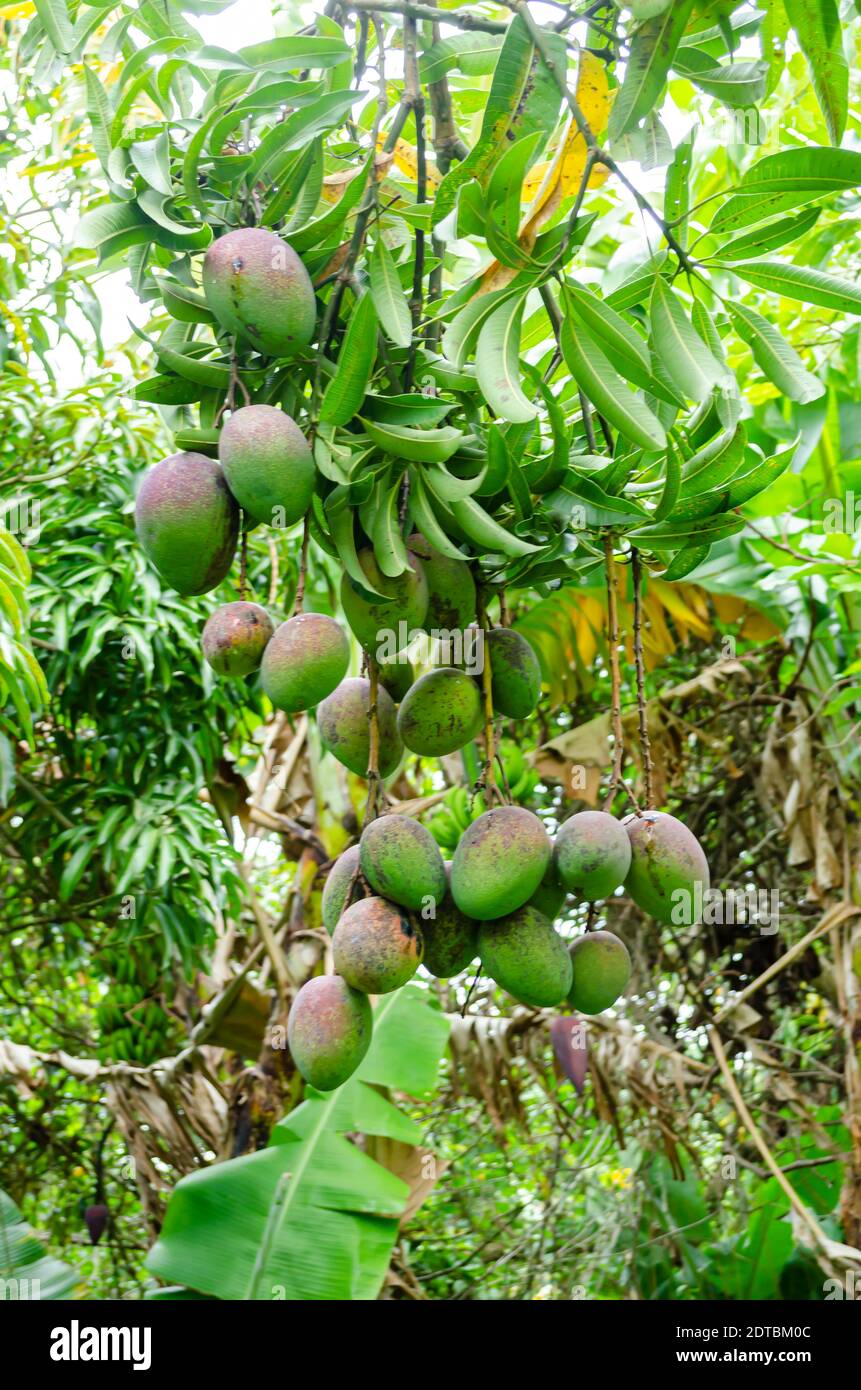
<point x="17" y="326"/>
<point x="334" y="184"/>
<point x="562" y="176"/>
<point x="21" y="11"/>
<point x="406" y="159"/>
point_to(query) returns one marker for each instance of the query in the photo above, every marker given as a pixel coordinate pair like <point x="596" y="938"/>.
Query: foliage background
<point x="128" y="776"/>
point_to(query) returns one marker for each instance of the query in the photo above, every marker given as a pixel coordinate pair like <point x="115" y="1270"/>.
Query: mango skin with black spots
<point x="268" y="465"/>
<point x="592" y="854"/>
<point x="376" y="947"/>
<point x="451" y="588"/>
<point x="527" y="957"/>
<point x="258" y="288"/>
<point x="515" y="673"/>
<point x="329" y="1031"/>
<point x="235" y="638"/>
<point x="343" y="874"/>
<point x="441" y="713"/>
<point x="405" y="600"/>
<point x="187" y="522"/>
<point x="401" y="861"/>
<point x="305" y="661"/>
<point x="601" y="969"/>
<point x="499" y="862"/>
<point x="342" y="721"/>
<point x="666" y="859"/>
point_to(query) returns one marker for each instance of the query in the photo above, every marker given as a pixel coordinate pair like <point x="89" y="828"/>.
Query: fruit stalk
<point x="642" y="713"/>
<point x="372" y="805"/>
<point x="615" y="675"/>
<point x="487" y="779"/>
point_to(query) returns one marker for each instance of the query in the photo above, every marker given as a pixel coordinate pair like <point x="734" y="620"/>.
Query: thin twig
<point x="642" y="713"/>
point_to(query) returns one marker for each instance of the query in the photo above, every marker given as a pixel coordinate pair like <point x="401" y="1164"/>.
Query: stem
<point x="372" y="805"/>
<point x="642" y="711"/>
<point x="615" y="674"/>
<point x="303" y="566"/>
<point x="460" y="19"/>
<point x="487" y="781"/>
<point x="413" y="94"/>
<point x="243" y="557"/>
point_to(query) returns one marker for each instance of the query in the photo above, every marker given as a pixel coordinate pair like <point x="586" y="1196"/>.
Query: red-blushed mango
<point x="524" y="955"/>
<point x="376" y="947"/>
<point x="235" y="638"/>
<point x="401" y="861"/>
<point x="601" y="968"/>
<point x="342" y="720"/>
<point x="440" y="713"/>
<point x="499" y="862"/>
<point x="341" y="878"/>
<point x="268" y="465"/>
<point x="451" y="940"/>
<point x="329" y="1030"/>
<point x="451" y="588"/>
<point x="669" y="873"/>
<point x="377" y="624"/>
<point x="257" y="287"/>
<point x="187" y="522"/>
<point x="592" y="854"/>
<point x="306" y="659"/>
<point x="515" y="675"/>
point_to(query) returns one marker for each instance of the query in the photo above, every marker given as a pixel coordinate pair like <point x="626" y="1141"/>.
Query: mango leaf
<point x="425" y="515"/>
<point x="819" y="32"/>
<point x="316" y="233"/>
<point x="775" y="357"/>
<point x="388" y="296"/>
<point x="346" y="390"/>
<point x="54" y="14"/>
<point x="484" y="532"/>
<point x="497" y="362"/>
<point x="683" y="354"/>
<point x="621" y="343"/>
<point x="737" y="84"/>
<point x="648" y="145"/>
<point x="416" y="445"/>
<point x="672" y="485"/>
<point x="340" y="518"/>
<point x="785" y="181"/>
<point x="768" y="238"/>
<point x="804" y="283"/>
<point x="652" y="50"/>
<point x="311" y="1216"/>
<point x="606" y="389"/>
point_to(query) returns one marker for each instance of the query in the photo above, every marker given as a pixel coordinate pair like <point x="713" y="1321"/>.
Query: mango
<point x="601" y="968"/>
<point x="377" y="624"/>
<point x="235" y="637"/>
<point x="342" y="721"/>
<point x="268" y="465"/>
<point x="329" y="1030"/>
<point x="440" y="713"/>
<point x="515" y="673"/>
<point x="342" y="876"/>
<point x="451" y="588"/>
<point x="525" y="956"/>
<point x="257" y="288"/>
<point x="376" y="947"/>
<point x="305" y="661"/>
<point x="187" y="522"/>
<point x="592" y="854"/>
<point x="451" y="940"/>
<point x="499" y="862"/>
<point x="401" y="861"/>
<point x="669" y="873"/>
<point x="396" y="677"/>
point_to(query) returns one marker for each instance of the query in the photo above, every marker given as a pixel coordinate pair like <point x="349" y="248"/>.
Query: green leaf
<point x="621" y="343"/>
<point x="506" y="182"/>
<point x="485" y="533"/>
<point x="804" y="283"/>
<point x="607" y="391"/>
<point x="785" y="181"/>
<point x="677" y="197"/>
<point x="653" y="48"/>
<point x="311" y="1216"/>
<point x="416" y="445"/>
<point x="316" y="233"/>
<point x="99" y="112"/>
<point x="346" y="390"/>
<point x="768" y="238"/>
<point x="167" y="390"/>
<point x="340" y="516"/>
<point x="299" y="128"/>
<point x="819" y="32"/>
<point x="461" y="335"/>
<point x="151" y="158"/>
<point x="736" y="85"/>
<point x="683" y="354"/>
<point x="775" y="357"/>
<point x="497" y="363"/>
<point x="23" y="1259"/>
<point x="426" y="518"/>
<point x="54" y="14"/>
<point x="388" y="296"/>
<point x="384" y="530"/>
<point x="672" y="485"/>
<point x="685" y="561"/>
